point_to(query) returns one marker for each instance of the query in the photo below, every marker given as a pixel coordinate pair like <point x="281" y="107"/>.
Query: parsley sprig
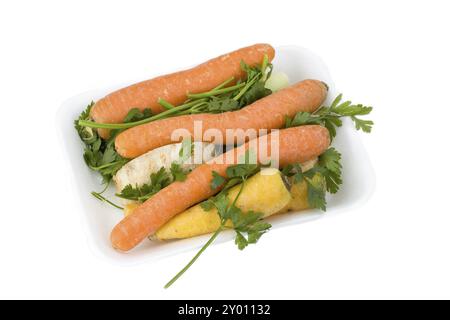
<point x="99" y="196"/>
<point x="330" y="117"/>
<point x="323" y="177"/>
<point x="158" y="181"/>
<point x="248" y="226"/>
<point x="223" y="98"/>
<point x="100" y="154"/>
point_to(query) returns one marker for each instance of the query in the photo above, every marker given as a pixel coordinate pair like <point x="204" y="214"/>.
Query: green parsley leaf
<point x="326" y="176"/>
<point x="100" y="154"/>
<point x="316" y="193"/>
<point x="177" y="172"/>
<point x="330" y="159"/>
<point x="252" y="224"/>
<point x="158" y="181"/>
<point x="240" y="241"/>
<point x="242" y="170"/>
<point x="300" y="119"/>
<point x="207" y="205"/>
<point x="293" y="170"/>
<point x="245" y="168"/>
<point x="252" y="72"/>
<point x="219" y="105"/>
<point x="364" y="125"/>
<point x="109" y="155"/>
<point x="331" y="169"/>
<point x="221" y="203"/>
<point x="87" y="135"/>
<point x="256" y="92"/>
<point x="217" y="180"/>
<point x="244" y="221"/>
<point x="249" y="223"/>
<point x="136" y="115"/>
<point x="331" y="123"/>
<point x="330" y="117"/>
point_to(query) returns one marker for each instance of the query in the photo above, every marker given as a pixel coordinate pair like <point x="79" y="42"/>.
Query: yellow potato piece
<point x="265" y="192"/>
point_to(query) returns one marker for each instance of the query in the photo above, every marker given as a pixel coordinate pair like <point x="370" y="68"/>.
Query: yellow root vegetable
<point x="265" y="192"/>
<point x="299" y="192"/>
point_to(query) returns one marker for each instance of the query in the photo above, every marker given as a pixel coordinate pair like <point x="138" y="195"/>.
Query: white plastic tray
<point x="99" y="218"/>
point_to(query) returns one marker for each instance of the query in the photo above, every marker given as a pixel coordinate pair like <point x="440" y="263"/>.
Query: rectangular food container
<point x="99" y="218"/>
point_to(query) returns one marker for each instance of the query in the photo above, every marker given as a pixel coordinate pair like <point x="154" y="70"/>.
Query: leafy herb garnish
<point x="216" y="181"/>
<point x="295" y="171"/>
<point x="99" y="196"/>
<point x="330" y="117"/>
<point x="249" y="223"/>
<point x="248" y="226"/>
<point x="178" y="174"/>
<point x="100" y="154"/>
<point x="325" y="176"/>
<point x="255" y="92"/>
<point x="158" y="181"/>
<point x="136" y="115"/>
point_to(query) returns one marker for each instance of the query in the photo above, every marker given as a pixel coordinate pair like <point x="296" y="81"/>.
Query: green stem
<point x="205" y="246"/>
<point x="159" y="116"/>
<point x="215" y="92"/>
<point x="102" y="198"/>
<point x="198" y="107"/>
<point x="105" y="165"/>
<point x="138" y="199"/>
<point x="194" y="102"/>
<point x="106" y="187"/>
<point x="240" y="191"/>
<point x="264" y="67"/>
<point x="223" y="84"/>
<point x="118" y="195"/>
<point x="246" y="87"/>
<point x="112" y="126"/>
<point x="183" y="113"/>
<point x="166" y="104"/>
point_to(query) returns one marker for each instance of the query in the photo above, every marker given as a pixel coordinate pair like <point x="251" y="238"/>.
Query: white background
<point x="393" y="55"/>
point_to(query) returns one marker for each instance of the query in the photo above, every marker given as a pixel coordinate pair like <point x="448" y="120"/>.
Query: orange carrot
<point x="174" y="87"/>
<point x="296" y="145"/>
<point x="267" y="113"/>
